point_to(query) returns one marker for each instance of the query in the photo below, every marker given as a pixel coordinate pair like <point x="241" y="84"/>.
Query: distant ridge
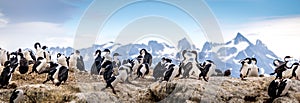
<point x="225" y="55"/>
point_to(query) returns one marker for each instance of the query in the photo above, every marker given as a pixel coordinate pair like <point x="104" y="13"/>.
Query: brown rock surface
<point x="83" y="87"/>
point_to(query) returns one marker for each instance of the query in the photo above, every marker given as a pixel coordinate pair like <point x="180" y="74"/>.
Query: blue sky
<point x="54" y="22"/>
<point x="239" y="11"/>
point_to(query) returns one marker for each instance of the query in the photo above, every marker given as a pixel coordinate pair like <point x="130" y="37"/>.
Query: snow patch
<point x="236" y="61"/>
<point x="240" y="47"/>
<point x="262" y="70"/>
<point x="269" y="56"/>
<point x="107" y="45"/>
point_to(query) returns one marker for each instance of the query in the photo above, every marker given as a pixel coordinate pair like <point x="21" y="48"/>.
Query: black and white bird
<point x="277" y="63"/>
<point x="57" y="74"/>
<point x="279" y="87"/>
<point x="125" y="70"/>
<point x="14" y="60"/>
<point x="28" y="56"/>
<point x="159" y="69"/>
<point x="62" y="60"/>
<point x="106" y="56"/>
<point x="41" y="52"/>
<point x="73" y="61"/>
<point x="40" y="66"/>
<point x="147" y="57"/>
<point x="97" y="63"/>
<point x="32" y="56"/>
<point x="107" y="70"/>
<point x="287" y="68"/>
<point x="23" y="66"/>
<point x="190" y="65"/>
<point x="288" y="71"/>
<point x="295" y="71"/>
<point x="6" y="74"/>
<point x="207" y="70"/>
<point x="171" y="72"/>
<point x="111" y="81"/>
<point x="79" y="62"/>
<point x="249" y="68"/>
<point x="143" y="68"/>
<point x="17" y="96"/>
<point x="46" y="53"/>
<point x="4" y="56"/>
<point x="116" y="63"/>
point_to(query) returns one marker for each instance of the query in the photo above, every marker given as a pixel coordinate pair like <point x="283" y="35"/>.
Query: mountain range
<point x="225" y="55"/>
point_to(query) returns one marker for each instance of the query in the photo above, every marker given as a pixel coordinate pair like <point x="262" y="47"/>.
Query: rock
<point x="83" y="87"/>
<point x="285" y="100"/>
<point x="236" y="100"/>
<point x="261" y="75"/>
<point x="251" y="97"/>
<point x="218" y="89"/>
<point x="297" y="96"/>
<point x="218" y="72"/>
<point x="12" y="85"/>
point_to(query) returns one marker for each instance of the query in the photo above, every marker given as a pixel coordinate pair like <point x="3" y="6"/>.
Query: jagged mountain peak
<point x="240" y="38"/>
<point x="240" y="47"/>
<point x="225" y="55"/>
<point x="259" y="42"/>
<point x="184" y="44"/>
<point x="207" y="46"/>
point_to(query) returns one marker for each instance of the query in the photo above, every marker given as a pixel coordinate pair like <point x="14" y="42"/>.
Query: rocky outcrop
<point x="83" y="87"/>
<point x="218" y="90"/>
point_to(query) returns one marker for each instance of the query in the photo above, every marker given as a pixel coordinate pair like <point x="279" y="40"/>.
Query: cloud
<point x="252" y="34"/>
<point x="56" y="11"/>
<point x="280" y="34"/>
<point x="44" y="21"/>
<point x="24" y="35"/>
<point x="276" y="26"/>
<point x="3" y="20"/>
<point x="1" y="14"/>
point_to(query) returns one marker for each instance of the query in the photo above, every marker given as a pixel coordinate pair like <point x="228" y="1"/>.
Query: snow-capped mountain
<point x="130" y="51"/>
<point x="229" y="54"/>
<point x="157" y="49"/>
<point x="225" y="55"/>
